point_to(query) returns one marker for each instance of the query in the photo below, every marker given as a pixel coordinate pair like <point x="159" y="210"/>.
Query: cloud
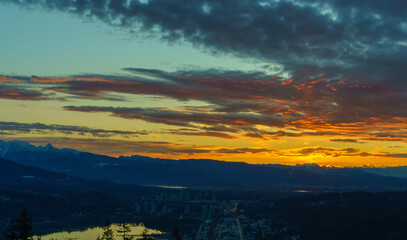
<point x="255" y="133"/>
<point x="5" y="79"/>
<point x="50" y="80"/>
<point x="340" y="37"/>
<point x="66" y="79"/>
<point x="40" y="128"/>
<point x="325" y="152"/>
<point x="243" y="150"/>
<point x="5" y="133"/>
<point x="328" y="101"/>
<point x="175" y="117"/>
<point x="240" y="102"/>
<point x="246" y="98"/>
<point x="394" y="155"/>
<point x="346" y="140"/>
<point x="336" y="152"/>
<point x="12" y="93"/>
<point x="204" y="134"/>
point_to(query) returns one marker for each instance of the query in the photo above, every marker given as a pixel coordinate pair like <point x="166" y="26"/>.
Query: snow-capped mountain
<point x="20" y="146"/>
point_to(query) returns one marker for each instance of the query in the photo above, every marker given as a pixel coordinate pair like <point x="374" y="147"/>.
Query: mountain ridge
<point x="190" y="172"/>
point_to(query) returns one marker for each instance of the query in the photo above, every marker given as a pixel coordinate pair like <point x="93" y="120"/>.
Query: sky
<point x="265" y="82"/>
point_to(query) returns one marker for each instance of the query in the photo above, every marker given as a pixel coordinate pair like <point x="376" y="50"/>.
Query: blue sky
<point x="52" y="43"/>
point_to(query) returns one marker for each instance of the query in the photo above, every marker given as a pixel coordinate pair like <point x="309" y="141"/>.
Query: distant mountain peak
<point x="48" y="147"/>
<point x="20" y="146"/>
<point x="14" y="145"/>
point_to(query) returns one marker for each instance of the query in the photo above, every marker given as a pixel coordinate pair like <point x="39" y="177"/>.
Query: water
<point x="92" y="233"/>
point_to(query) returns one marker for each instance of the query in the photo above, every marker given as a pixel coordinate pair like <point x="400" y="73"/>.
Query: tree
<point x="11" y="232"/>
<point x="25" y="226"/>
<point x="124" y="230"/>
<point x="108" y="233"/>
<point x="145" y="235"/>
<point x="20" y="228"/>
<point x="175" y="234"/>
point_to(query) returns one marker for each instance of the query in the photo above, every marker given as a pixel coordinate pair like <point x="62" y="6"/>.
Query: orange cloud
<point x="4" y="79"/>
<point x="23" y="94"/>
<point x="50" y="80"/>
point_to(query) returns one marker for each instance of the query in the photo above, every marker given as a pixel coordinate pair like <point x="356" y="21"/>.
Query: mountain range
<point x="189" y="173"/>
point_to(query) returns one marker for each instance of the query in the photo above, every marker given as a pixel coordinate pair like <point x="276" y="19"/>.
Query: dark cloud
<point x="346" y="140"/>
<point x="204" y="134"/>
<point x="255" y="133"/>
<point x="399" y="135"/>
<point x="243" y="150"/>
<point x="337" y="152"/>
<point x="326" y="152"/>
<point x="5" y="133"/>
<point x="179" y="118"/>
<point x="363" y="39"/>
<point x="12" y="93"/>
<point x="395" y="155"/>
<point x="40" y="128"/>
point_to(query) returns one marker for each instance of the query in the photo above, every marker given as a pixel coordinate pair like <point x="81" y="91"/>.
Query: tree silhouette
<point x="25" y="226"/>
<point x="20" y="228"/>
<point x="108" y="233"/>
<point x="11" y="232"/>
<point x="124" y="230"/>
<point x="175" y="234"/>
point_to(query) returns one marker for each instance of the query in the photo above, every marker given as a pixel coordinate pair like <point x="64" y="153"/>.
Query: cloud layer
<point x="11" y="128"/>
<point x="342" y="38"/>
<point x="236" y="104"/>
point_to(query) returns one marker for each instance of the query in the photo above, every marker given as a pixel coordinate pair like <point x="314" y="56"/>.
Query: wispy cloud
<point x="346" y="140"/>
<point x="11" y="128"/>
